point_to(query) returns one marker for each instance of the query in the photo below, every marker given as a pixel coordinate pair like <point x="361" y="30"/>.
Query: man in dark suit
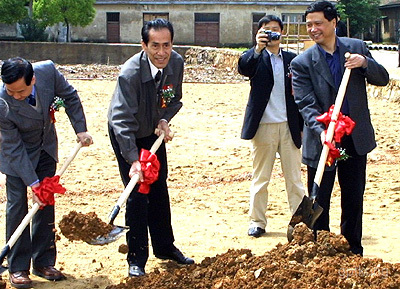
<point x="139" y="106"/>
<point x="341" y="28"/>
<point x="317" y="75"/>
<point x="28" y="155"/>
<point x="272" y="121"/>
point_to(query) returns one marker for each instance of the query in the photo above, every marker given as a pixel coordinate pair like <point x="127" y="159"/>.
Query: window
<point x="206" y="17"/>
<point x="112" y="16"/>
<point x="151" y="16"/>
<point x="293" y="17"/>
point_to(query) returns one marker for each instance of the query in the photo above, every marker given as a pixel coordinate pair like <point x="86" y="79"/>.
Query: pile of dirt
<point x="202" y="65"/>
<point x="83" y="227"/>
<point x="303" y="263"/>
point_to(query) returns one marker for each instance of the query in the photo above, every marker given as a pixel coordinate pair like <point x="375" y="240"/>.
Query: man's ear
<point x="335" y="21"/>
<point x="144" y="46"/>
<point x="33" y="81"/>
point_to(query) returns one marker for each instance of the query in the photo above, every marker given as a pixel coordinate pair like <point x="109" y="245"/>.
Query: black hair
<point x="326" y="7"/>
<point x="268" y="18"/>
<point x="156" y="24"/>
<point x="16" y="68"/>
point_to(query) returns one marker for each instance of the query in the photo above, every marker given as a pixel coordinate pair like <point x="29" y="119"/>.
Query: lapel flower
<point x="167" y="94"/>
<point x="55" y="106"/>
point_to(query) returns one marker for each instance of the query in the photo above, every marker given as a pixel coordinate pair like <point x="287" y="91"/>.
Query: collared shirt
<point x="153" y="69"/>
<point x="333" y="61"/>
<point x="275" y="112"/>
<point x="31" y="99"/>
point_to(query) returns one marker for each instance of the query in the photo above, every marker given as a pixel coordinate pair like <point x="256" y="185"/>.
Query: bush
<point x="32" y="30"/>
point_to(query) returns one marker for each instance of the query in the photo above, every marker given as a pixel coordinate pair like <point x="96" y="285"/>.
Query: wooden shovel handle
<point x="26" y="220"/>
<point x="133" y="181"/>
<point x="331" y="127"/>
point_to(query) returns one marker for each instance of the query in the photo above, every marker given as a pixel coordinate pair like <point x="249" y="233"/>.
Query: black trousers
<point x="146" y="213"/>
<point x="40" y="247"/>
<point x="352" y="177"/>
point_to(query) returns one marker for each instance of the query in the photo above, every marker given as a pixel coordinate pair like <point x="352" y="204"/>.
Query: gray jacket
<point x="135" y="107"/>
<point x="25" y="131"/>
<point x="315" y="92"/>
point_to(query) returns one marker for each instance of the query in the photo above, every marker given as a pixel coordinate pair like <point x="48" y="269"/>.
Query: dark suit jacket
<point x="259" y="70"/>
<point x="315" y="92"/>
<point x="25" y="131"/>
<point x="135" y="108"/>
<point x="341" y="29"/>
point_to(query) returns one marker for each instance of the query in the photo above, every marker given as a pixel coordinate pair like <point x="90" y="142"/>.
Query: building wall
<point x="391" y="24"/>
<point x="74" y="53"/>
<point x="8" y="31"/>
<point x="235" y="21"/>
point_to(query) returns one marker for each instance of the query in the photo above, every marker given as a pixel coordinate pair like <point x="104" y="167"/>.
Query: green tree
<point x="32" y="29"/>
<point x="70" y="12"/>
<point x="12" y="11"/>
<point x="362" y="14"/>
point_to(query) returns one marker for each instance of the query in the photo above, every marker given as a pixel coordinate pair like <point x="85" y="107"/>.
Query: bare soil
<point x="209" y="177"/>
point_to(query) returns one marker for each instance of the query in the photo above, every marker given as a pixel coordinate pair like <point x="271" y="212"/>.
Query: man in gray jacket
<point x="148" y="94"/>
<point x="317" y="75"/>
<point x="29" y="154"/>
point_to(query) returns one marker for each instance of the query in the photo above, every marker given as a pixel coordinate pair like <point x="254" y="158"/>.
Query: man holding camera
<point x="272" y="121"/>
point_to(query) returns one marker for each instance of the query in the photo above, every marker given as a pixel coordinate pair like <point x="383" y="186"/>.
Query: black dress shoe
<point x="49" y="273"/>
<point x="175" y="255"/>
<point x="255" y="232"/>
<point x="135" y="271"/>
<point x="20" y="279"/>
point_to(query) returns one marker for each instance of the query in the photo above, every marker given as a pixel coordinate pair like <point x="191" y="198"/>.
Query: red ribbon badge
<point x="47" y="188"/>
<point x="150" y="167"/>
<point x="344" y="125"/>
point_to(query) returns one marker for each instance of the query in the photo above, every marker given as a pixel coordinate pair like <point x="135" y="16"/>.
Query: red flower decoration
<point x="47" y="188"/>
<point x="344" y="125"/>
<point x="150" y="167"/>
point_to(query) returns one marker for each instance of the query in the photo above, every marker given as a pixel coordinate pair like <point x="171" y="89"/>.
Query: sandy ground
<point x="209" y="178"/>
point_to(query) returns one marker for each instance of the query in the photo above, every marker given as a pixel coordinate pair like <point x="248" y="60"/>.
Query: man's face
<point x="19" y="90"/>
<point x="274" y="27"/>
<point x="159" y="47"/>
<point x="319" y="28"/>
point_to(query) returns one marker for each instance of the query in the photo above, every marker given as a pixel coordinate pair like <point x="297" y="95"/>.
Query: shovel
<point x="309" y="210"/>
<point x="27" y="219"/>
<point x="118" y="231"/>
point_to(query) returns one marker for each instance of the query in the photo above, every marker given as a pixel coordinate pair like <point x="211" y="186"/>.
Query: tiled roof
<point x="192" y="2"/>
<point x="389" y="4"/>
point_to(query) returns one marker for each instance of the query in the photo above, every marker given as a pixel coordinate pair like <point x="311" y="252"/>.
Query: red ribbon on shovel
<point x="47" y="188"/>
<point x="344" y="125"/>
<point x="150" y="167"/>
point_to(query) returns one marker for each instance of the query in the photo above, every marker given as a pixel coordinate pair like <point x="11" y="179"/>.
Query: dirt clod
<point x="83" y="227"/>
<point x="326" y="263"/>
<point x="123" y="249"/>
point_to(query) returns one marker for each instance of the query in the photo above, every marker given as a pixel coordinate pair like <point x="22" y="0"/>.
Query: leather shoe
<point x="20" y="279"/>
<point x="49" y="273"/>
<point x="255" y="232"/>
<point x="175" y="255"/>
<point x="135" y="271"/>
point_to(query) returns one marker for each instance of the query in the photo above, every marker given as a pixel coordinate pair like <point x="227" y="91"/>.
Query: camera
<point x="272" y="35"/>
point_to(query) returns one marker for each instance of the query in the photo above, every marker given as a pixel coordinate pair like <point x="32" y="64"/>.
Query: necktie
<point x="157" y="78"/>
<point x="32" y="100"/>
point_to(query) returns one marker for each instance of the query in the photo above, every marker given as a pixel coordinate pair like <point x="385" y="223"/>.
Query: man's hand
<point x="136" y="168"/>
<point x="261" y="40"/>
<point x="355" y="61"/>
<point x="35" y="198"/>
<point x="163" y="126"/>
<point x="85" y="138"/>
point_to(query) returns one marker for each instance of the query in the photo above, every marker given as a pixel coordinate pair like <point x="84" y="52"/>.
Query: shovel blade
<point x="307" y="212"/>
<point x="116" y="233"/>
